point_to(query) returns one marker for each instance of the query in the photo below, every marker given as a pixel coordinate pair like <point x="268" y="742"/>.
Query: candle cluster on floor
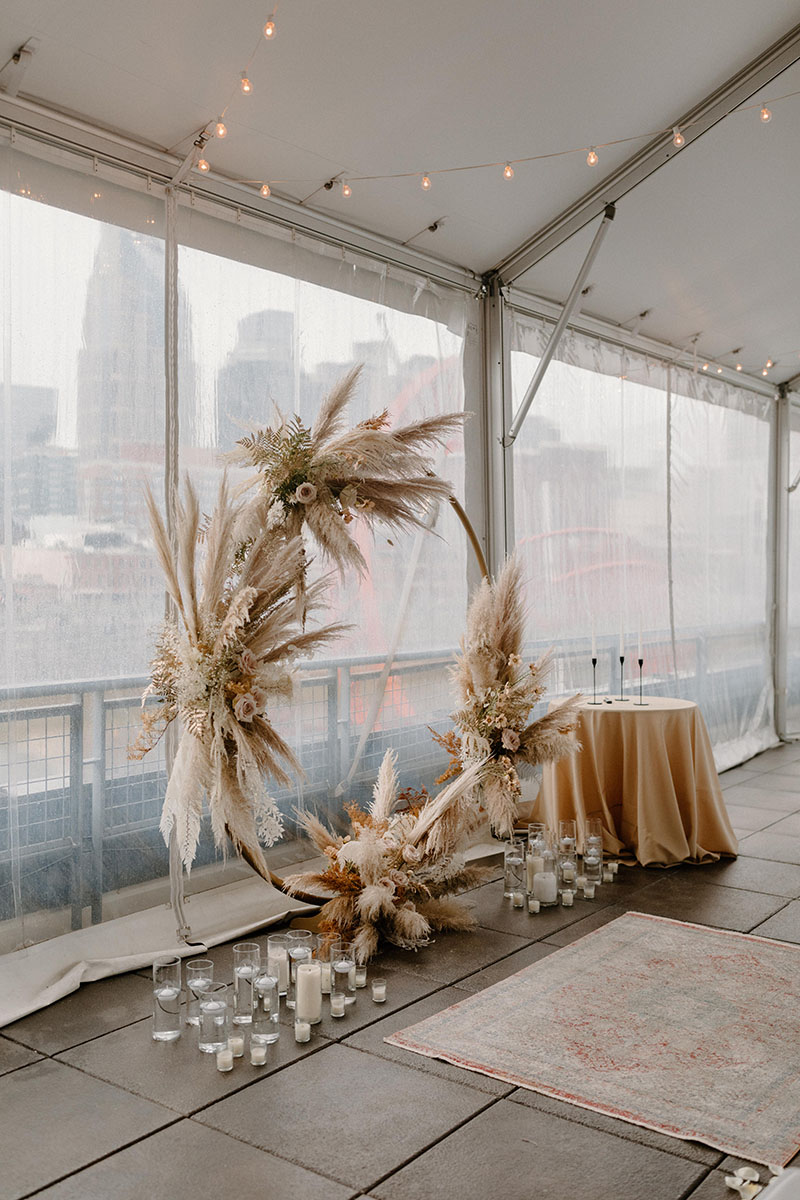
<point x="298" y="969"/>
<point x="547" y="868"/>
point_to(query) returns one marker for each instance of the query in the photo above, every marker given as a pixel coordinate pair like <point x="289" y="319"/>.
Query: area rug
<point x="687" y="1030"/>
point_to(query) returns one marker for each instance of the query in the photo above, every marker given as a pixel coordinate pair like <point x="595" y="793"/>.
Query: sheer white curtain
<point x="641" y="503"/>
<point x="263" y="315"/>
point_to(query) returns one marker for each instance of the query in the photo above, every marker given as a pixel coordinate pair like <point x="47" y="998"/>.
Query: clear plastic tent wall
<point x="264" y="316"/>
<point x="642" y="507"/>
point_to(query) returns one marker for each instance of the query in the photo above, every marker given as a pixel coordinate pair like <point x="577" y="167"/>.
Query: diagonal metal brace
<point x="555" y="337"/>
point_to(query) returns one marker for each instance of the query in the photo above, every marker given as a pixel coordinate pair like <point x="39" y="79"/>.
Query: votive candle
<point x="224" y="1060"/>
<point x="608" y="876"/>
<point x="302" y="1031"/>
<point x="361" y="975"/>
<point x="337" y="1004"/>
<point x="379" y="991"/>
<point x="517" y="899"/>
<point x="258" y="1054"/>
<point x="588" y="891"/>
<point x="236" y="1045"/>
<point x="533" y="905"/>
<point x="567" y="898"/>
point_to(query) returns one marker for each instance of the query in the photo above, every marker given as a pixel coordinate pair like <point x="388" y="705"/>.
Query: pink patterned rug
<point x="688" y="1030"/>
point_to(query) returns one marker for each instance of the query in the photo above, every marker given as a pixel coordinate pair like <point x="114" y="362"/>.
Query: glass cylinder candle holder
<point x="214" y="1015"/>
<point x="308" y="992"/>
<point x="166" y="999"/>
<point x="300" y="951"/>
<point x="567" y="873"/>
<point x="337" y="1004"/>
<point x="278" y="960"/>
<point x="266" y="1010"/>
<point x="236" y="1045"/>
<point x="343" y="974"/>
<point x="325" y="955"/>
<point x="246" y="965"/>
<point x="361" y="975"/>
<point x="258" y="1053"/>
<point x="225" y="1058"/>
<point x="379" y="991"/>
<point x="199" y="974"/>
<point x="545" y="881"/>
<point x="302" y="1031"/>
<point x="513" y="867"/>
<point x="567" y="835"/>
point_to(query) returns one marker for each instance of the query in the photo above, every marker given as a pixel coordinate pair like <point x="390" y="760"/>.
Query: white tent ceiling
<point x="708" y="243"/>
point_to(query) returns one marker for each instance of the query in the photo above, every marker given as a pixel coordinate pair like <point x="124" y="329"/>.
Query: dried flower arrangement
<point x="393" y="877"/>
<point x="325" y="477"/>
<point x="226" y="653"/>
<point x="496" y="693"/>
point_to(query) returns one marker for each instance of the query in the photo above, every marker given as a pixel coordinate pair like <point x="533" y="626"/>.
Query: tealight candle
<point x="588" y="891"/>
<point x="302" y="1031"/>
<point x="518" y="899"/>
<point x="224" y="1060"/>
<point x="337" y="1004"/>
<point x="533" y="905"/>
<point x="567" y="898"/>
<point x="236" y="1045"/>
<point x="379" y="991"/>
<point x="258" y="1054"/>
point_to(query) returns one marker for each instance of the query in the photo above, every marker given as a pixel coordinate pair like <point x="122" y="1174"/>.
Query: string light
<point x="508" y="171"/>
<point x="220" y="129"/>
<point x="738" y="366"/>
<point x="266" y="190"/>
<point x="346" y="190"/>
<point x="591" y="157"/>
<point x="246" y="85"/>
<point x="719" y="370"/>
<point x="203" y="165"/>
<point x="677" y="138"/>
<point x="705" y="367"/>
<point x="765" y="371"/>
<point x="769" y="363"/>
<point x="425" y="183"/>
<point x="765" y="114"/>
<point x="269" y="28"/>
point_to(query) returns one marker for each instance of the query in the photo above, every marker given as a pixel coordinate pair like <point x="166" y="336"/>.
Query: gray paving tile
<point x="94" y="1009"/>
<point x="507" y="966"/>
<point x="55" y="1120"/>
<point x="774" y="781"/>
<point x="493" y="911"/>
<point x="750" y="795"/>
<point x="176" y="1074"/>
<point x="192" y="1162"/>
<point x="595" y="920"/>
<point x="787" y="825"/>
<point x="753" y="874"/>
<point x="784" y="926"/>
<point x="13" y="1056"/>
<point x="780" y="847"/>
<point x="739" y="775"/>
<point x="371" y="1040"/>
<point x="686" y="899"/>
<point x="784" y="752"/>
<point x="714" y="1187"/>
<point x="753" y="818"/>
<point x="402" y="988"/>
<point x="790" y="769"/>
<point x="632" y="1133"/>
<point x="451" y="956"/>
<point x="348" y="1114"/>
<point x="515" y="1152"/>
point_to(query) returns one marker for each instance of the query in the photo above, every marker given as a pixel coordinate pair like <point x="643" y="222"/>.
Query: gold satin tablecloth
<point x="649" y="773"/>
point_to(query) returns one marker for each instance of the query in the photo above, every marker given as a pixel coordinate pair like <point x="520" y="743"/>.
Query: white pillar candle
<point x="308" y="993"/>
<point x="379" y="991"/>
<point x="278" y="967"/>
<point x="533" y="864"/>
<point x="224" y="1060"/>
<point x="588" y="891"/>
<point x="337" y="1004"/>
<point x="302" y="1031"/>
<point x="545" y="889"/>
<point x="517" y="899"/>
<point x="236" y="1045"/>
<point x="533" y="905"/>
<point x="258" y="1054"/>
<point x="325" y="978"/>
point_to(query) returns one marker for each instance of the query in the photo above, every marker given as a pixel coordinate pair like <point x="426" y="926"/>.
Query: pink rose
<point x="248" y="662"/>
<point x="412" y="854"/>
<point x="244" y="708"/>
<point x="510" y="739"/>
<point x="305" y="493"/>
<point x="259" y="698"/>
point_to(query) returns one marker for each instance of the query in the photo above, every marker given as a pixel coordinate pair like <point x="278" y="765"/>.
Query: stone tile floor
<point x="92" y="1109"/>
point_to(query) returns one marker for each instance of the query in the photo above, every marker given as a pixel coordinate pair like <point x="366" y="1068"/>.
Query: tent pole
<point x="497" y="399"/>
<point x="780" y="625"/>
<point x="555" y="337"/>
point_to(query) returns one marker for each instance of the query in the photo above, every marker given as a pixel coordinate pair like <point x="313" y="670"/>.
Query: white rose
<point x="305" y="493"/>
<point x="244" y="708"/>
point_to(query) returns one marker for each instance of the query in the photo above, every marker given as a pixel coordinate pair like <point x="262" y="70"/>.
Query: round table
<point x="648" y="772"/>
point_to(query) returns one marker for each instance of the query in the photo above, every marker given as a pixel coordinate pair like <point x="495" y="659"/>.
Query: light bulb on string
<point x="220" y="129"/>
<point x="591" y="157"/>
<point x="425" y="183"/>
<point x="677" y="138"/>
<point x="704" y="367"/>
<point x="738" y="366"/>
<point x="765" y="371"/>
<point x="765" y="114"/>
<point x="246" y="85"/>
<point x="769" y="363"/>
<point x="346" y="190"/>
<point x="266" y="190"/>
<point x="719" y="370"/>
<point x="508" y="171"/>
<point x="203" y="164"/>
<point x="269" y="28"/>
